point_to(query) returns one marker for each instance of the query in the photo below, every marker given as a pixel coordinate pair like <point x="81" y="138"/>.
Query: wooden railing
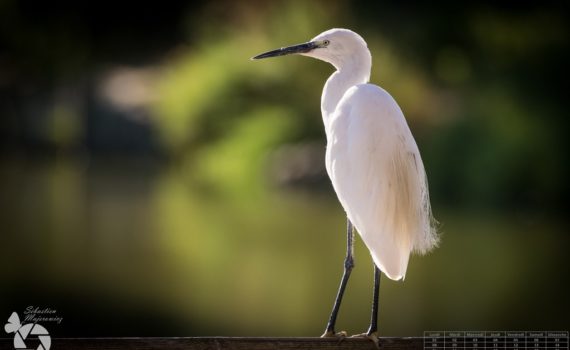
<point x="236" y="343"/>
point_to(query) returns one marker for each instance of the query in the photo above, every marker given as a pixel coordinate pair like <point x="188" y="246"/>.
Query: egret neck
<point x="350" y="71"/>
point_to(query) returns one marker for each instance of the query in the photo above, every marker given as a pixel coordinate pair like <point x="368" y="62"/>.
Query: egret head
<point x="335" y="46"/>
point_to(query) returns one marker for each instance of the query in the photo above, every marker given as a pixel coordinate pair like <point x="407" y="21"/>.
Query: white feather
<point x="372" y="158"/>
<point x="377" y="172"/>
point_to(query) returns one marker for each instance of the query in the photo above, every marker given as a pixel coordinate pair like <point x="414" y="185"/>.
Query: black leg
<point x="348" y="265"/>
<point x="374" y="317"/>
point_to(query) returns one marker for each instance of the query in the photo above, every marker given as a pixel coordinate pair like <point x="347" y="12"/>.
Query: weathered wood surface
<point x="192" y="343"/>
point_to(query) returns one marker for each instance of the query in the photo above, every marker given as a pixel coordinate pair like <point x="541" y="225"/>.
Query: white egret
<point x="373" y="162"/>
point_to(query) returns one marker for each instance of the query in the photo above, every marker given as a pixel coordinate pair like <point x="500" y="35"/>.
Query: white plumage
<point x="373" y="162"/>
<point x="378" y="175"/>
<point x="372" y="158"/>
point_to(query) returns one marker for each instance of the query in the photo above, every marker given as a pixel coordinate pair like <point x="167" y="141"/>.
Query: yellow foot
<point x="372" y="336"/>
<point x="340" y="335"/>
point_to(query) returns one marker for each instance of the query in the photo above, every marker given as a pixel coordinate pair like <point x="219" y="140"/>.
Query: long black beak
<point x="300" y="48"/>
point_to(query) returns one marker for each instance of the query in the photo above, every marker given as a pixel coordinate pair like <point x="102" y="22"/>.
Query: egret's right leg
<point x="348" y="265"/>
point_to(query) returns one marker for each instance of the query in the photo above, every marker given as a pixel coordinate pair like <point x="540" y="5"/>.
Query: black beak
<point x="300" y="48"/>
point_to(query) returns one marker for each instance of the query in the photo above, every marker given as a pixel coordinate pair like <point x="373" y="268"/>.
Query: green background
<point x="156" y="182"/>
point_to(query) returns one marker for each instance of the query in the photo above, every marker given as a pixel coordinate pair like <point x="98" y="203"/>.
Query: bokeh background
<point x="156" y="182"/>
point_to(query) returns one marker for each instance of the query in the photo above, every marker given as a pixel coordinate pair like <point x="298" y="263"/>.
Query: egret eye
<point x="326" y="42"/>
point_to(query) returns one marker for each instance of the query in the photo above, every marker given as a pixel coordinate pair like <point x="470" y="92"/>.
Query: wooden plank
<point x="237" y="343"/>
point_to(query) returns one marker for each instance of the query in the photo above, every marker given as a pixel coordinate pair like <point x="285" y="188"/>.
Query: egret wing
<point x="378" y="175"/>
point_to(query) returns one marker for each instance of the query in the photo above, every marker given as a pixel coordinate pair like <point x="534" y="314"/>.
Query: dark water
<point x="131" y="248"/>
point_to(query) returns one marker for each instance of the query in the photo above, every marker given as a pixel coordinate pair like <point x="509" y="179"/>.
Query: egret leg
<point x="348" y="265"/>
<point x="373" y="329"/>
<point x="372" y="332"/>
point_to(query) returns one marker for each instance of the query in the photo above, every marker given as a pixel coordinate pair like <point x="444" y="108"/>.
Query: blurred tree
<point x="480" y="85"/>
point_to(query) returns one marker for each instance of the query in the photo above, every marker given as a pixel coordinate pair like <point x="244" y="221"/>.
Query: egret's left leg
<point x="372" y="332"/>
<point x="373" y="329"/>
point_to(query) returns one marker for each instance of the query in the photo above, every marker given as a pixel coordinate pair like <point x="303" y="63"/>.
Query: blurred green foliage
<point x="490" y="135"/>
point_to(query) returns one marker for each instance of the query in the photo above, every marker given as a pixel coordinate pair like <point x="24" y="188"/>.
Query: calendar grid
<point x="495" y="340"/>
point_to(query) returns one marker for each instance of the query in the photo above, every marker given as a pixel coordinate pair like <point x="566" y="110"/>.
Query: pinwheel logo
<point x="27" y="331"/>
